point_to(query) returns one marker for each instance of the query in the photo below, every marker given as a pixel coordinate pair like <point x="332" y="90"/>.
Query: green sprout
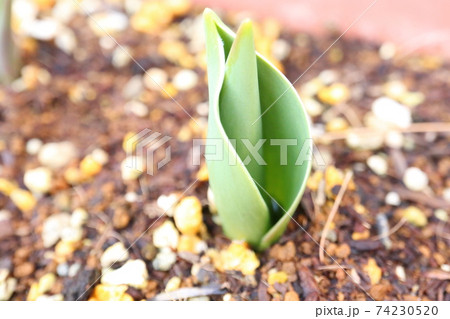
<point x="251" y="102"/>
<point x="9" y="61"/>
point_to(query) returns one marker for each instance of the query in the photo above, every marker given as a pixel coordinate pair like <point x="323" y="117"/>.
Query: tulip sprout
<point x="9" y="61"/>
<point x="256" y="114"/>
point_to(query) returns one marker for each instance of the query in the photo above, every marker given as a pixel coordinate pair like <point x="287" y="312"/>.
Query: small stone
<point x="79" y="217"/>
<point x="343" y="251"/>
<point x="62" y="270"/>
<point x="72" y="234"/>
<point x="173" y="284"/>
<point x="283" y="252"/>
<point x="328" y="76"/>
<point x="23" y="199"/>
<point x="312" y="106"/>
<point x="185" y="80"/>
<point x="441" y="214"/>
<point x="378" y="164"/>
<point x="275" y="276"/>
<point x="110" y="293"/>
<point x="280" y="49"/>
<point x="131" y="197"/>
<point x="42" y="29"/>
<point x="446" y="194"/>
<point x="121" y="218"/>
<point x="394" y="89"/>
<point x="137" y="108"/>
<point x="57" y="297"/>
<point x="64" y="249"/>
<point x="46" y="283"/>
<point x="337" y="124"/>
<point x="66" y="40"/>
<point x="192" y="244"/>
<point x="188" y="215"/>
<point x="374" y="272"/>
<point x="400" y="273"/>
<point x="394" y="139"/>
<point x="364" y="142"/>
<point x="237" y="256"/>
<point x="133" y="87"/>
<point x="412" y="99"/>
<point x="6" y="187"/>
<point x="38" y="180"/>
<point x="391" y="112"/>
<point x="291" y="296"/>
<point x="168" y="203"/>
<point x="155" y="79"/>
<point x="73" y="270"/>
<point x="311" y="87"/>
<point x="53" y="227"/>
<point x="133" y="273"/>
<point x="7" y="288"/>
<point x="23" y="270"/>
<point x="415" y="216"/>
<point x="415" y="179"/>
<point x="334" y="94"/>
<point x="164" y="260"/>
<point x="393" y="199"/>
<point x="387" y="51"/>
<point x="89" y="166"/>
<point x="100" y="156"/>
<point x="132" y="167"/>
<point x="166" y="235"/>
<point x="104" y="23"/>
<point x="121" y="57"/>
<point x="57" y="155"/>
<point x="33" y="146"/>
<point x="114" y="253"/>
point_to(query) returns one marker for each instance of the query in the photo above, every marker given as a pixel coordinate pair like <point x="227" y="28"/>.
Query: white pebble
<point x="79" y="217"/>
<point x="33" y="146"/>
<point x="62" y="270"/>
<point x="66" y="41"/>
<point x="185" y="80"/>
<point x="57" y="297"/>
<point x="73" y="269"/>
<point x="393" y="199"/>
<point x="53" y="227"/>
<point x="137" y="108"/>
<point x="155" y="79"/>
<point x="132" y="167"/>
<point x="108" y="22"/>
<point x="45" y="29"/>
<point x="364" y="142"/>
<point x="312" y="106"/>
<point x="7" y="288"/>
<point x="133" y="87"/>
<point x="64" y="11"/>
<point x="280" y="49"/>
<point x="211" y="201"/>
<point x="114" y="253"/>
<point x="446" y="194"/>
<point x="394" y="139"/>
<point x="133" y="273"/>
<point x="100" y="156"/>
<point x="400" y="272"/>
<point x="57" y="155"/>
<point x="392" y="112"/>
<point x="378" y="164"/>
<point x="167" y="203"/>
<point x="72" y="234"/>
<point x="328" y="76"/>
<point x="415" y="179"/>
<point x="441" y="214"/>
<point x="120" y="57"/>
<point x="131" y="197"/>
<point x="164" y="260"/>
<point x="387" y="51"/>
<point x="38" y="180"/>
<point x="202" y="109"/>
<point x="166" y="235"/>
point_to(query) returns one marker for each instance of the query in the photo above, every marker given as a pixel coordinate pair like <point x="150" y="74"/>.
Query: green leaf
<point x="251" y="99"/>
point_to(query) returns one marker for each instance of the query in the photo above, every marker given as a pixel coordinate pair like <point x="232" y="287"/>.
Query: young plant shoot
<point x="259" y="120"/>
<point x="9" y="62"/>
